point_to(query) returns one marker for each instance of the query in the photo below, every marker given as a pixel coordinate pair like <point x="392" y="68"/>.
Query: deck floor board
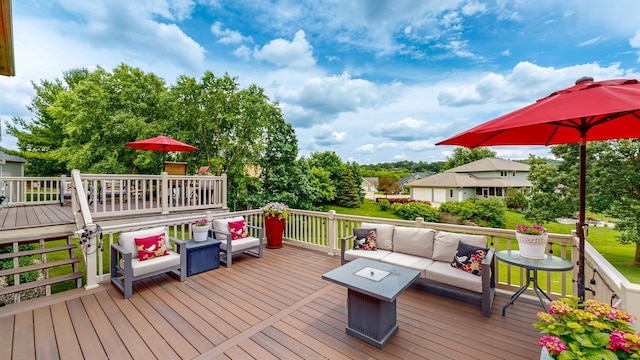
<point x="269" y="308"/>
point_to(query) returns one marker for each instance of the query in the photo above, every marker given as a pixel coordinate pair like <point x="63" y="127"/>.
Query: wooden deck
<point x="18" y="217"/>
<point x="275" y="307"/>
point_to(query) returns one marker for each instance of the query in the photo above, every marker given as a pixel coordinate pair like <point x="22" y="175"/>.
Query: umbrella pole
<point x="580" y="226"/>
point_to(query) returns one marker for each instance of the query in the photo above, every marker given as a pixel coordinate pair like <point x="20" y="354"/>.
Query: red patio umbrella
<point x="589" y="110"/>
<point x="161" y="143"/>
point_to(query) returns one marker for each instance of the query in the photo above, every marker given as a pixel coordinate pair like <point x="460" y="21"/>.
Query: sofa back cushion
<point x="384" y="234"/>
<point x="445" y="244"/>
<point x="413" y="241"/>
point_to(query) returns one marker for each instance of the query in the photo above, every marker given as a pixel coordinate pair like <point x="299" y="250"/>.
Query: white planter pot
<point x="200" y="233"/>
<point x="544" y="354"/>
<point x="532" y="246"/>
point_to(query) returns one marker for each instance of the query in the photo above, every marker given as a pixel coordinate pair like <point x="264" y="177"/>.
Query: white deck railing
<point x="322" y="230"/>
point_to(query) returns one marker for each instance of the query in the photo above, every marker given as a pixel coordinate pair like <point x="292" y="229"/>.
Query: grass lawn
<point x="602" y="239"/>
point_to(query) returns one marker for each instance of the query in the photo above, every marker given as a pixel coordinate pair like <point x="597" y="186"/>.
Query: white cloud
<point x="296" y="54"/>
<point x="474" y="8"/>
<point x="506" y="53"/>
<point x="635" y="43"/>
<point x="593" y="41"/>
<point x="227" y="36"/>
<point x="327" y="136"/>
<point x="242" y="52"/>
<point x="366" y="149"/>
<point x="407" y="129"/>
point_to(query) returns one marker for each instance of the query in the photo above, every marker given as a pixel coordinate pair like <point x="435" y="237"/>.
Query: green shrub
<point x="384" y="204"/>
<point x="490" y="212"/>
<point x="414" y="210"/>
<point x="465" y="210"/>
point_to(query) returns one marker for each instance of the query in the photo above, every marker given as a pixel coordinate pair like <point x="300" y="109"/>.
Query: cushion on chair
<point x="127" y="239"/>
<point x="151" y="247"/>
<point x="238" y="229"/>
<point x="223" y="225"/>
<point x="445" y="244"/>
<point x="155" y="264"/>
<point x="241" y="244"/>
<point x="365" y="239"/>
<point x="413" y="241"/>
<point x="384" y="234"/>
<point x="469" y="258"/>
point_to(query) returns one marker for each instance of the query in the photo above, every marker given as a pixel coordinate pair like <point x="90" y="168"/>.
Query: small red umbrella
<point x="161" y="143"/>
<point x="589" y="110"/>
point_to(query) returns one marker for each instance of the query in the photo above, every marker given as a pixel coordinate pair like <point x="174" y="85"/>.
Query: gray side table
<point x="373" y="287"/>
<point x="548" y="263"/>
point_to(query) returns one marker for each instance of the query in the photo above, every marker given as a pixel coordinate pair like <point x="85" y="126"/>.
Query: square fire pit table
<point x="373" y="287"/>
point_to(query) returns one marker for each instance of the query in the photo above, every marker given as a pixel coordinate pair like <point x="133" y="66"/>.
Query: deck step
<point x="44" y="265"/>
<point x="38" y="251"/>
<point x="44" y="282"/>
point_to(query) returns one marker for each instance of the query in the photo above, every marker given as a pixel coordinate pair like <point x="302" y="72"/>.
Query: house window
<point x="498" y="191"/>
<point x="513" y="174"/>
<point x="450" y="193"/>
<point x="492" y="191"/>
<point x="503" y="173"/>
<point x="478" y="191"/>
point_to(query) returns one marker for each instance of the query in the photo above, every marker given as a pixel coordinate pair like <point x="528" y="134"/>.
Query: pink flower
<point x="553" y="344"/>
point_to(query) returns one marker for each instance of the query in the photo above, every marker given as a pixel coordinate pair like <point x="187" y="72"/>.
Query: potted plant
<point x="589" y="330"/>
<point x="275" y="215"/>
<point x="532" y="240"/>
<point x="200" y="229"/>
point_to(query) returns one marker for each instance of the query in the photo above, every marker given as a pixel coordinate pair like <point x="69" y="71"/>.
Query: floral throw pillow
<point x="366" y="239"/>
<point x="151" y="247"/>
<point x="469" y="258"/>
<point x="238" y="229"/>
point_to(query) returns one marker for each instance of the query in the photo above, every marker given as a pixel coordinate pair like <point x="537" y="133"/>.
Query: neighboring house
<point x="407" y="179"/>
<point x="11" y="165"/>
<point x="482" y="178"/>
<point x="369" y="184"/>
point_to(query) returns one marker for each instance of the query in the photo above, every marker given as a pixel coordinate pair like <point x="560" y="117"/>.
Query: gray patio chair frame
<point x="122" y="277"/>
<point x="229" y="252"/>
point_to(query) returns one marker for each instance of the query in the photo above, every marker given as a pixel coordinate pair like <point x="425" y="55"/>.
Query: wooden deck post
<point x="332" y="232"/>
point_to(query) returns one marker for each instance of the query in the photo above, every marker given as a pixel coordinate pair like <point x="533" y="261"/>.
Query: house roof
<point x="449" y="180"/>
<point x="11" y="158"/>
<point x="371" y="180"/>
<point x="414" y="176"/>
<point x="490" y="164"/>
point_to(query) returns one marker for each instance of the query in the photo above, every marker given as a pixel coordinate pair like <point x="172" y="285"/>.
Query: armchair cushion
<point x="223" y="226"/>
<point x="241" y="244"/>
<point x="156" y="264"/>
<point x="445" y="244"/>
<point x="238" y="229"/>
<point x="127" y="239"/>
<point x="365" y="239"/>
<point x="151" y="247"/>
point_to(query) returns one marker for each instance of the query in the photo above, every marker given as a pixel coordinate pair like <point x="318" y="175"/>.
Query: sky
<point x="372" y="80"/>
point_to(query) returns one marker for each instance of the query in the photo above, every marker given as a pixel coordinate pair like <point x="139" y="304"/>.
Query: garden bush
<point x="414" y="210"/>
<point x="384" y="204"/>
<point x="487" y="212"/>
<point x="22" y="261"/>
<point x="465" y="210"/>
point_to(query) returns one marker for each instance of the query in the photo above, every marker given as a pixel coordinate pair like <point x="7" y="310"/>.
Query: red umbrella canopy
<point x="161" y="143"/>
<point x="591" y="110"/>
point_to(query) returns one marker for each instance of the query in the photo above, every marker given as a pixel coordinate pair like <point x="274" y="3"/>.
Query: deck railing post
<point x="332" y="232"/>
<point x="419" y="222"/>
<point x="165" y="193"/>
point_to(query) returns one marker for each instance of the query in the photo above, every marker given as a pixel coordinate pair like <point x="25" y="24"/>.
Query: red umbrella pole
<point x="580" y="226"/>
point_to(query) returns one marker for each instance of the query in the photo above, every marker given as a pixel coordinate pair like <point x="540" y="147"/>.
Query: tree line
<point x="83" y="120"/>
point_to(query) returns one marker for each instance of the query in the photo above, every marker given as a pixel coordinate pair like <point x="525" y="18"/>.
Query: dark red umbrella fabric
<point x="161" y="143"/>
<point x="589" y="110"/>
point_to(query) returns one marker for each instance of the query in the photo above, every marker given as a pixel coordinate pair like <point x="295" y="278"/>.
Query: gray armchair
<point x="250" y="245"/>
<point x="127" y="268"/>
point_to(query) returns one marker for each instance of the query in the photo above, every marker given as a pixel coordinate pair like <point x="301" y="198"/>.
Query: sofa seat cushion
<point x="444" y="273"/>
<point x="409" y="261"/>
<point x="351" y="255"/>
<point x="413" y="241"/>
<point x="155" y="264"/>
<point x="384" y="234"/>
<point x="240" y="244"/>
